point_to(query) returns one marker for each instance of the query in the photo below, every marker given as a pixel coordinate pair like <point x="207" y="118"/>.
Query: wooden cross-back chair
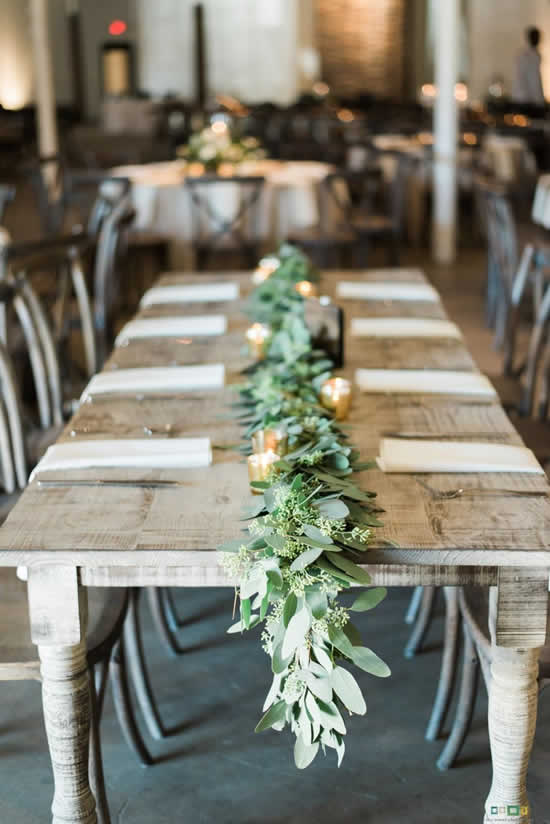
<point x="343" y="194"/>
<point x="216" y="229"/>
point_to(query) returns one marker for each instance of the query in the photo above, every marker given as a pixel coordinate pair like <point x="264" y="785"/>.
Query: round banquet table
<point x="290" y="200"/>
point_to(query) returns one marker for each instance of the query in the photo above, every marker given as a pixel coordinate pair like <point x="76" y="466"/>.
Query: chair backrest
<point x="74" y="199"/>
<point x="7" y="194"/>
<point x="345" y="192"/>
<point x="111" y="243"/>
<point x="501" y="235"/>
<point x="225" y="209"/>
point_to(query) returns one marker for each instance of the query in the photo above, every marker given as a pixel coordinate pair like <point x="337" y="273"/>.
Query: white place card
<point x="424" y="381"/>
<point x="157" y="379"/>
<point x="397" y="455"/>
<point x="403" y="328"/>
<point x="191" y="293"/>
<point x="173" y="327"/>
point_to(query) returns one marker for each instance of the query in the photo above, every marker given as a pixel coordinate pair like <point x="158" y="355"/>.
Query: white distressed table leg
<point x="512" y="718"/>
<point x="517" y="618"/>
<point x="58" y="623"/>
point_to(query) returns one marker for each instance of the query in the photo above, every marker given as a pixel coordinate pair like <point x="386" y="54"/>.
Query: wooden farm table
<point x="72" y="537"/>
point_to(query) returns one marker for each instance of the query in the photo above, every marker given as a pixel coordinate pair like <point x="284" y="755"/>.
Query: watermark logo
<point x="508" y="810"/>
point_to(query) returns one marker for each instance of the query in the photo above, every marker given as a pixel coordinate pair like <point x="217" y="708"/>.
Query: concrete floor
<point x="215" y="769"/>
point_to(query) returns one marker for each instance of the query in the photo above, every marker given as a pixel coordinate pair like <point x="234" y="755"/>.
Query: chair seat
<point x="317" y="236"/>
<point x="373" y="224"/>
<point x="143" y="238"/>
<point x="19" y="656"/>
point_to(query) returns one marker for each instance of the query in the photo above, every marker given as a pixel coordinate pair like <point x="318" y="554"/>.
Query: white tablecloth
<point x="162" y="203"/>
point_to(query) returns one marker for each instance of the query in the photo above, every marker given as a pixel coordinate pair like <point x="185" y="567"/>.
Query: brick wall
<point x="361" y="45"/>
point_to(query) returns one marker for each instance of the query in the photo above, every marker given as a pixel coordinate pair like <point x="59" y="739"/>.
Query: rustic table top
<point x="181" y="526"/>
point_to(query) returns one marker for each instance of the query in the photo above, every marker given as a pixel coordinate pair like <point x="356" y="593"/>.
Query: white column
<point x="43" y="78"/>
<point x="445" y="131"/>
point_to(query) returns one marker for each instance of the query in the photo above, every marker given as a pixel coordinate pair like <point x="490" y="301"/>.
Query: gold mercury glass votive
<point x="265" y="268"/>
<point x="195" y="169"/>
<point x="306" y="289"/>
<point x="335" y="396"/>
<point x="270" y="440"/>
<point x="259" y="467"/>
<point x="257" y="337"/>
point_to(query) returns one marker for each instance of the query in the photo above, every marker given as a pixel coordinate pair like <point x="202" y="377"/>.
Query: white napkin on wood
<point x="191" y="293"/>
<point x="198" y="325"/>
<point x="404" y="328"/>
<point x="150" y="453"/>
<point x="398" y="455"/>
<point x="157" y="379"/>
<point x="424" y="381"/>
<point x="372" y="290"/>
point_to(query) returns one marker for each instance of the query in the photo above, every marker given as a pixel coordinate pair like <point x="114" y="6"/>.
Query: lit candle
<point x="195" y="169"/>
<point x="265" y="268"/>
<point x="260" y="467"/>
<point x="226" y="170"/>
<point x="306" y="289"/>
<point x="336" y="396"/>
<point x="270" y="440"/>
<point x="257" y="337"/>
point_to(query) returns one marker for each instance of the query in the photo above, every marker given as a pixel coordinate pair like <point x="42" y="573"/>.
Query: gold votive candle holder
<point x="195" y="169"/>
<point x="257" y="337"/>
<point x="335" y="396"/>
<point x="270" y="440"/>
<point x="306" y="289"/>
<point x="226" y="169"/>
<point x="265" y="268"/>
<point x="259" y="467"/>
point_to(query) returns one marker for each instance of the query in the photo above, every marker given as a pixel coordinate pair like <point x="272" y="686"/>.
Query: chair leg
<point x="171" y="610"/>
<point x="138" y="669"/>
<point x="448" y="665"/>
<point x="123" y="705"/>
<point x="422" y="622"/>
<point x="414" y="605"/>
<point x="465" y="706"/>
<point x="160" y="619"/>
<point x="95" y="761"/>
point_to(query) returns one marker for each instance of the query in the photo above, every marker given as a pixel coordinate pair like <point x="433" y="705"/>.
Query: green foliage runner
<point x="307" y="532"/>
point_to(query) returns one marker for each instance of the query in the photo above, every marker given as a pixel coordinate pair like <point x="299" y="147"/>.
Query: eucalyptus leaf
<point x="289" y="608"/>
<point x="367" y="660"/>
<point x="356" y="572"/>
<point x="274" y="715"/>
<point x="315" y="533"/>
<point x="296" y="631"/>
<point x="347" y="689"/>
<point x="305" y="559"/>
<point x="334" y="508"/>
<point x="369" y="599"/>
<point x="304" y="753"/>
<point x="317" y="601"/>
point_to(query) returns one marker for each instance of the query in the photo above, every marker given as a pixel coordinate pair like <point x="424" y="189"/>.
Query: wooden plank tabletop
<point x="181" y="526"/>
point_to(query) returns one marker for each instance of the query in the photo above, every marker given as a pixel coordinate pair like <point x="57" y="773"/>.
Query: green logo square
<point x="513" y="809"/>
<point x="494" y="810"/>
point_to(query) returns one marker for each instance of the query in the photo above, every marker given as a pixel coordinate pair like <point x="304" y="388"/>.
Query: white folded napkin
<point x="199" y="325"/>
<point x="149" y="453"/>
<point x="403" y="328"/>
<point x="443" y="456"/>
<point x="157" y="379"/>
<point x="424" y="381"/>
<point x="191" y="293"/>
<point x="372" y="290"/>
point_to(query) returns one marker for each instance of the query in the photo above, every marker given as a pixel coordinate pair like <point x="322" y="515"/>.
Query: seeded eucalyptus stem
<point x="307" y="532"/>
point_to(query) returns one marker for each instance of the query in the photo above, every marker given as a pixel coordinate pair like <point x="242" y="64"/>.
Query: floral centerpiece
<point x="307" y="533"/>
<point x="215" y="145"/>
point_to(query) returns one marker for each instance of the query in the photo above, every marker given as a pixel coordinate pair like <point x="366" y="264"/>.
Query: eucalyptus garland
<point x="307" y="532"/>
